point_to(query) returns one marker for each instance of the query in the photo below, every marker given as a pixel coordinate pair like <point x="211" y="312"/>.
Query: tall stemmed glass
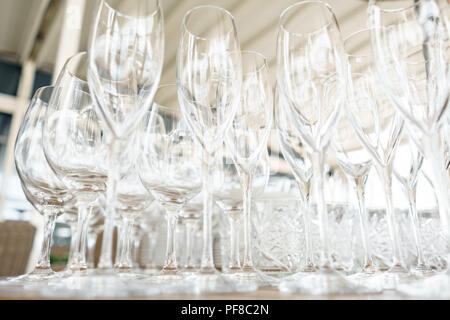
<point x="190" y="217"/>
<point x="410" y="46"/>
<point x="247" y="137"/>
<point x="311" y="73"/>
<point x="294" y="152"/>
<point x="209" y="77"/>
<point x="378" y="126"/>
<point x="125" y="61"/>
<point x="169" y="165"/>
<point x="228" y="193"/>
<point x="76" y="149"/>
<point x="41" y="186"/>
<point x="133" y="199"/>
<point x="356" y="162"/>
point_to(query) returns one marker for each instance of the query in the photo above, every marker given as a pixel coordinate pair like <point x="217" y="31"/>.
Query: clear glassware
<point x="150" y="223"/>
<point x="126" y="55"/>
<point x="75" y="147"/>
<point x="133" y="198"/>
<point x="45" y="191"/>
<point x="169" y="166"/>
<point x="379" y="128"/>
<point x="294" y="152"/>
<point x="209" y="77"/>
<point x="311" y="74"/>
<point x="356" y="162"/>
<point x="246" y="140"/>
<point x="229" y="196"/>
<point x="190" y="217"/>
<point x="410" y="46"/>
<point x="96" y="222"/>
<point x="407" y="167"/>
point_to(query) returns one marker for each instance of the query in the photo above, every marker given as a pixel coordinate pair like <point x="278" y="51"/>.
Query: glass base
<point x="423" y="271"/>
<point x="97" y="286"/>
<point x="244" y="281"/>
<point x="372" y="280"/>
<point x="38" y="274"/>
<point x="395" y="276"/>
<point x="434" y="287"/>
<point x="321" y="282"/>
<point x="208" y="281"/>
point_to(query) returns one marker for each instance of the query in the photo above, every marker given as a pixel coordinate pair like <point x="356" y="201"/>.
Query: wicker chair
<point x="16" y="242"/>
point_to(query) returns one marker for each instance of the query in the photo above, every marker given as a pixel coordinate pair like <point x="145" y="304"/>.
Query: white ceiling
<point x="20" y="21"/>
<point x="256" y="22"/>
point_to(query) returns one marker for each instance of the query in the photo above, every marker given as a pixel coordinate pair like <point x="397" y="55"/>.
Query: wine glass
<point x="133" y="198"/>
<point x="311" y="74"/>
<point x="96" y="223"/>
<point x="410" y="46"/>
<point x="76" y="149"/>
<point x="209" y="77"/>
<point x="294" y="152"/>
<point x="169" y="166"/>
<point x="228" y="194"/>
<point x="356" y="162"/>
<point x="379" y="128"/>
<point x="407" y="167"/>
<point x="246" y="139"/>
<point x="126" y="55"/>
<point x="151" y="226"/>
<point x="190" y="217"/>
<point x="42" y="187"/>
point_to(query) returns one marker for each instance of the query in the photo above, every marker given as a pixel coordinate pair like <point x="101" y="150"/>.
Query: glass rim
<point x="353" y="34"/>
<point x="157" y="9"/>
<point x="206" y="6"/>
<point x="70" y="60"/>
<point x="285" y="11"/>
<point x="264" y="64"/>
<point x="396" y="10"/>
<point x="39" y="92"/>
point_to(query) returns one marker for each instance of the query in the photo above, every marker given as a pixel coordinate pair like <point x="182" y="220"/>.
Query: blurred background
<point x="37" y="37"/>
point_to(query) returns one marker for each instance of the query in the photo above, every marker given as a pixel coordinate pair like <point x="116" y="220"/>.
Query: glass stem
<point x="151" y="264"/>
<point x="106" y="261"/>
<point x="246" y="181"/>
<point x="359" y="184"/>
<point x="43" y="262"/>
<point x="305" y="191"/>
<point x="207" y="263"/>
<point x="119" y="244"/>
<point x="125" y="248"/>
<point x="385" y="174"/>
<point x="73" y="231"/>
<point x="190" y="233"/>
<point x="78" y="262"/>
<point x="91" y="242"/>
<point x="170" y="264"/>
<point x="435" y="154"/>
<point x="235" y="262"/>
<point x="411" y="192"/>
<point x="135" y="250"/>
<point x="317" y="160"/>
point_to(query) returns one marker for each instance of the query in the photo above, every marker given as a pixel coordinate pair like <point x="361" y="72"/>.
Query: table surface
<point x="268" y="293"/>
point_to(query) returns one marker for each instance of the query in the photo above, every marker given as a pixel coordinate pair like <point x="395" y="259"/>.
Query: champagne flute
<point x="311" y="74"/>
<point x="410" y="47"/>
<point x="126" y="55"/>
<point x="209" y="77"/>
<point x="246" y="140"/>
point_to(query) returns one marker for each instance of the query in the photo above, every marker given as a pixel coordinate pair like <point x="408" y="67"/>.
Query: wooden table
<point x="269" y="293"/>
